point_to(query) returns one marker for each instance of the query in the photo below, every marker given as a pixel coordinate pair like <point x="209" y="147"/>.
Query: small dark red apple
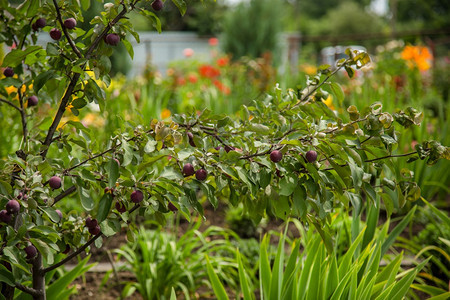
<point x="31" y="251"/>
<point x="55" y="182"/>
<point x="55" y="34"/>
<point x="137" y="196"/>
<point x="120" y="206"/>
<point x="157" y="5"/>
<point x="276" y="156"/>
<point x="95" y="230"/>
<point x="8" y="72"/>
<point x="40" y="23"/>
<point x="188" y="169"/>
<point x="112" y="39"/>
<point x="5" y="217"/>
<point x="12" y="207"/>
<point x="32" y="101"/>
<point x="191" y="139"/>
<point x="201" y="174"/>
<point x="70" y="23"/>
<point x="229" y="148"/>
<point x="311" y="156"/>
<point x="90" y="223"/>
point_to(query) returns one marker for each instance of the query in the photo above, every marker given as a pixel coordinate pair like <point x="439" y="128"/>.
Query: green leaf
<point x="16" y="56"/>
<point x="181" y="6"/>
<point x="397" y="230"/>
<point x="243" y="278"/>
<point x="56" y="288"/>
<point x="41" y="79"/>
<point x="258" y="128"/>
<point x="85" y="4"/>
<point x="288" y="184"/>
<point x="337" y="91"/>
<point x="357" y="173"/>
<point x="6" y="276"/>
<point x="52" y="214"/>
<point x="113" y="172"/>
<point x="44" y="249"/>
<point x="104" y="207"/>
<point x="129" y="48"/>
<point x="219" y="289"/>
<point x="153" y="18"/>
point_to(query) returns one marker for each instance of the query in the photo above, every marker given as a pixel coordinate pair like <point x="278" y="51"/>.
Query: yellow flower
<point x="93" y="119"/>
<point x="12" y="89"/>
<point x="165" y="113"/>
<point x="329" y="102"/>
<point x="308" y="69"/>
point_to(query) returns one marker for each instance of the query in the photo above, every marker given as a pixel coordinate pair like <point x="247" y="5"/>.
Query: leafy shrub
<point x="161" y="262"/>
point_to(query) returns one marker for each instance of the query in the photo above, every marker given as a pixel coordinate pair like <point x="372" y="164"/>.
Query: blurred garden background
<point x="225" y="54"/>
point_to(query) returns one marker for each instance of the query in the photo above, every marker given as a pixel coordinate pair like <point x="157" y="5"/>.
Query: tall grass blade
<point x="397" y="230"/>
<point x="243" y="278"/>
<point x="264" y="269"/>
<point x="401" y="288"/>
<point x="217" y="286"/>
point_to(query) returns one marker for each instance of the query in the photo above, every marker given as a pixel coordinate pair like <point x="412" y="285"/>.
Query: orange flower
<point x="417" y="56"/>
<point x="165" y="113"/>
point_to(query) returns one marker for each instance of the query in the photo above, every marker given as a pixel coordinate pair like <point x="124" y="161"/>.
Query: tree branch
<point x="64" y="194"/>
<point x="105" y="31"/>
<point x="91" y="158"/>
<point x="320" y="84"/>
<point x="74" y="81"/>
<point x="59" y="113"/>
<point x="72" y="255"/>
<point x="23" y="117"/>
<point x="388" y="156"/>
<point x="28" y="290"/>
<point x="11" y="104"/>
<point x="64" y="29"/>
<point x="81" y="249"/>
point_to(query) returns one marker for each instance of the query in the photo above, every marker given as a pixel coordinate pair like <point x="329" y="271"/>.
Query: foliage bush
<point x="287" y="155"/>
<point x="162" y="262"/>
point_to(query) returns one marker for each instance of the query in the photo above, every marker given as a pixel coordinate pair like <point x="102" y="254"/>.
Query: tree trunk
<point x="38" y="278"/>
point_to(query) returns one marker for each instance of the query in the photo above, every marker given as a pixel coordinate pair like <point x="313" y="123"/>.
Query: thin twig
<point x="388" y="156"/>
<point x="81" y="249"/>
<point x="320" y="84"/>
<point x="74" y="80"/>
<point x="64" y="29"/>
<point x="64" y="194"/>
<point x="23" y="117"/>
<point x="11" y="104"/>
<point x="72" y="255"/>
<point x="28" y="290"/>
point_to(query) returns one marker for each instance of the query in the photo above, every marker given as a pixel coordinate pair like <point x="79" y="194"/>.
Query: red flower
<point x="223" y="61"/>
<point x="181" y="81"/>
<point x="223" y="88"/>
<point x="208" y="71"/>
<point x="192" y="78"/>
<point x="213" y="41"/>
